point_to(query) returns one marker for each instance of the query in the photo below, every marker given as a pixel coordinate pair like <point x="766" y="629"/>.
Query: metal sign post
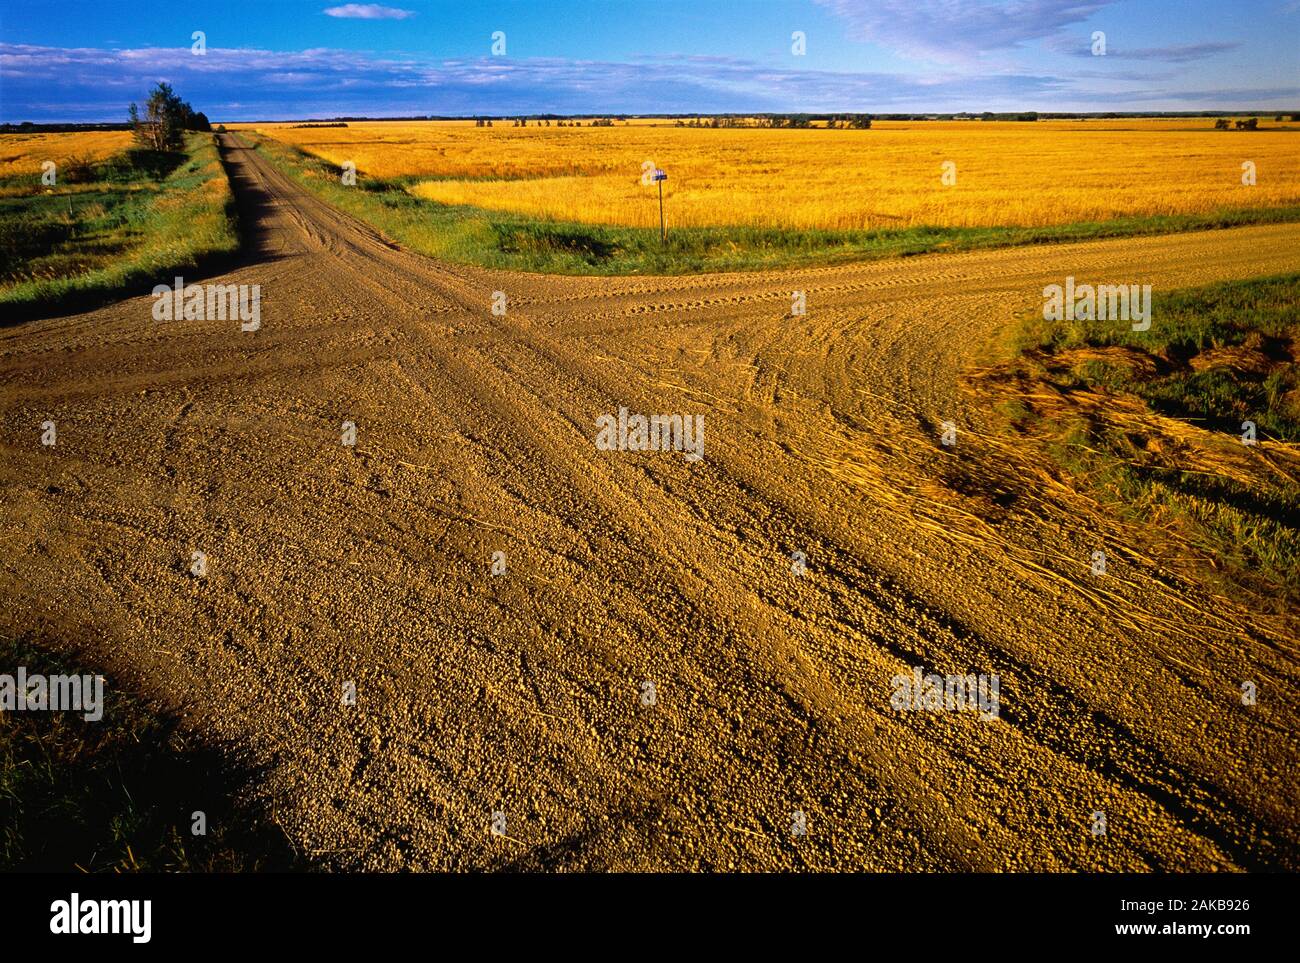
<point x="661" y="176"/>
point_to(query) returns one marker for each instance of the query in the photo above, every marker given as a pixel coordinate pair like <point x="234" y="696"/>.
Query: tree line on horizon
<point x="178" y="116"/>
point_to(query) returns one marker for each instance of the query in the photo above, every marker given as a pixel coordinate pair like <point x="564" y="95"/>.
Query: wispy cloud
<point x="955" y="31"/>
<point x="247" y="83"/>
<point x="96" y="84"/>
<point x="1240" y="97"/>
<point x="1178" y="54"/>
<point x="368" y="11"/>
<point x="1175" y="54"/>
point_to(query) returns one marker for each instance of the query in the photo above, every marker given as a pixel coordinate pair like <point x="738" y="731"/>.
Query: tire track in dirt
<point x="523" y="692"/>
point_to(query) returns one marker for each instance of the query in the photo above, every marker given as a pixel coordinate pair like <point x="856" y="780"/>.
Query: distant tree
<point x="1251" y="124"/>
<point x="163" y="120"/>
<point x="1222" y="124"/>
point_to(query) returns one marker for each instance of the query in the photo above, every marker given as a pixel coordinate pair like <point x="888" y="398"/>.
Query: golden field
<point x="1007" y="173"/>
<point x="24" y="153"/>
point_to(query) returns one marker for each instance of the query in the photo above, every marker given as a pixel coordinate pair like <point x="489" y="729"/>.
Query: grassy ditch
<point x="113" y="227"/>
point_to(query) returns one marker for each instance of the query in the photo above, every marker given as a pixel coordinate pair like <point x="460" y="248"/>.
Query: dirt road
<point x="525" y="693"/>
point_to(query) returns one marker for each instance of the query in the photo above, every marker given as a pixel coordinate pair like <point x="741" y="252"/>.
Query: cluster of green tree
<point x="166" y="117"/>
<point x="27" y="127"/>
<point x="1251" y="123"/>
<point x="850" y="122"/>
<point x="559" y="120"/>
<point x="1060" y="115"/>
<point x="795" y="121"/>
<point x="1170" y="114"/>
<point x="740" y="120"/>
<point x="545" y="122"/>
<point x="842" y="121"/>
<point x="780" y="121"/>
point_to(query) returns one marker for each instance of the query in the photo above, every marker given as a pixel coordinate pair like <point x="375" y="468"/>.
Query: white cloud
<point x="89" y="84"/>
<point x="955" y="31"/>
<point x="368" y="11"/>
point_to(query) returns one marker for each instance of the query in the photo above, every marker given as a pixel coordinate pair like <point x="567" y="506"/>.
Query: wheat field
<point x="24" y="153"/>
<point x="1006" y="173"/>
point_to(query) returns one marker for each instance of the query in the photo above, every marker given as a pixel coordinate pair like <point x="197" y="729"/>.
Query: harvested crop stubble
<point x="1007" y="173"/>
<point x="24" y="153"/>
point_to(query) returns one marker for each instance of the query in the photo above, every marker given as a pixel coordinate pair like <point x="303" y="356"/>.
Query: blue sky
<point x="282" y="59"/>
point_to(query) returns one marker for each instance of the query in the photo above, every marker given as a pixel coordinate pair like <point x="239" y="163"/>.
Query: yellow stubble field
<point x="25" y="153"/>
<point x="1002" y="173"/>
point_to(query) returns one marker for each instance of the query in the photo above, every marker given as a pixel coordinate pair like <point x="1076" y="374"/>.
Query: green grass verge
<point x="502" y="240"/>
<point x="1260" y="317"/>
<point x="1215" y="357"/>
<point x="116" y="795"/>
<point x="128" y="223"/>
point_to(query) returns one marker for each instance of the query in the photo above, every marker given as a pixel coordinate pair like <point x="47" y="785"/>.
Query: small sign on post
<point x="661" y="175"/>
